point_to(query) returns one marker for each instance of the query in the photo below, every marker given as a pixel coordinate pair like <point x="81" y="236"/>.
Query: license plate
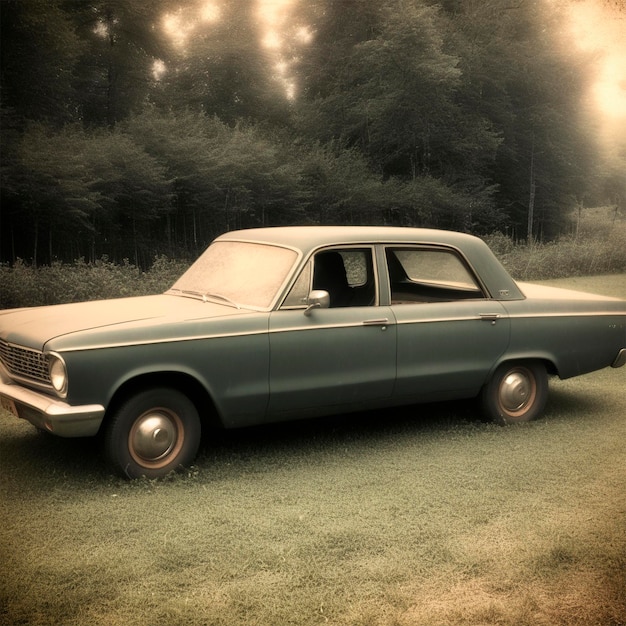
<point x="8" y="405"/>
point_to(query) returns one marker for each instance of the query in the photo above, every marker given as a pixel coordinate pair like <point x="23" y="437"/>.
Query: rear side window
<point x="429" y="275"/>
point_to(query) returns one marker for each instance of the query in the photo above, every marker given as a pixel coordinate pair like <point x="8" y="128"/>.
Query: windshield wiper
<point x="219" y="296"/>
<point x="205" y="296"/>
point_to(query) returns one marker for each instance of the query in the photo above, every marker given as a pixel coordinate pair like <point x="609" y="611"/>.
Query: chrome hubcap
<point x="154" y="436"/>
<point x="516" y="392"/>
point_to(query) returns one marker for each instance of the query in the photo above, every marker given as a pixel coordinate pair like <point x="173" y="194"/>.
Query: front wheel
<point x="152" y="433"/>
<point x="517" y="392"/>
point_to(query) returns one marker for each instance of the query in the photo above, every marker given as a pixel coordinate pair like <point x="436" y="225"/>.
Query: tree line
<point x="136" y="128"/>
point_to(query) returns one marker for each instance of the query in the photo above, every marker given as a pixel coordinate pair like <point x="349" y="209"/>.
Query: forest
<point x="138" y="128"/>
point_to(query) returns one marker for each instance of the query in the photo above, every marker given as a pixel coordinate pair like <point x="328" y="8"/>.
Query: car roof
<point x="311" y="237"/>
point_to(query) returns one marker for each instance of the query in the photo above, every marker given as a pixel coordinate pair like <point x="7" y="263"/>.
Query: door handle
<point x="383" y="321"/>
<point x="490" y="317"/>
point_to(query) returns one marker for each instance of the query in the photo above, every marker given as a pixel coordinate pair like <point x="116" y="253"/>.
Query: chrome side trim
<point x="567" y="314"/>
<point x="324" y="327"/>
<point x="432" y="320"/>
<point x="359" y="324"/>
<point x="150" y="342"/>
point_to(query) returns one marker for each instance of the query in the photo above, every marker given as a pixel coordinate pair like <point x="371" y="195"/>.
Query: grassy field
<point x="416" y="517"/>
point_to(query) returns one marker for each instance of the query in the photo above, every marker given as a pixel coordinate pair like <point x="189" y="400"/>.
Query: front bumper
<point x="47" y="413"/>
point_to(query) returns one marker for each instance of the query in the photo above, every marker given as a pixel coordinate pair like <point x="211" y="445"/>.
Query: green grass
<point x="423" y="516"/>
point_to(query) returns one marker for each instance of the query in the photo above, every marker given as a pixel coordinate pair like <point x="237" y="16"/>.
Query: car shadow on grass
<point x="47" y="459"/>
<point x="31" y="455"/>
<point x="357" y="430"/>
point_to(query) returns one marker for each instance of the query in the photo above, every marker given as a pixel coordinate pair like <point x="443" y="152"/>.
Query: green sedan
<point x="276" y="324"/>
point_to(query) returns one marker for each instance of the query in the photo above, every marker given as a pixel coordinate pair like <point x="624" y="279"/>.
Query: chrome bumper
<point x="49" y="413"/>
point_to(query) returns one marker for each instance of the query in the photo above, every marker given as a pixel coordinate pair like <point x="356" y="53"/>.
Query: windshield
<point x="238" y="273"/>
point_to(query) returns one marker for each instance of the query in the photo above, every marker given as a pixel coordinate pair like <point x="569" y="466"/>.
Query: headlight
<point x="58" y="373"/>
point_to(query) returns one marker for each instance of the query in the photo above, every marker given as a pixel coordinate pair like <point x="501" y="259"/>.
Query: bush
<point x="24" y="285"/>
<point x="597" y="246"/>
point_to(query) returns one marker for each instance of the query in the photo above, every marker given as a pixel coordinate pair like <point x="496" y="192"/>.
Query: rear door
<point x="450" y="333"/>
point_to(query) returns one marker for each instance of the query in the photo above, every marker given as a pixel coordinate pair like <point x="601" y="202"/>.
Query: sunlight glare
<point x="304" y="35"/>
<point x="176" y="28"/>
<point x="101" y="30"/>
<point x="597" y="29"/>
<point x="272" y="40"/>
<point x="272" y="15"/>
<point x="158" y="69"/>
<point x="210" y="12"/>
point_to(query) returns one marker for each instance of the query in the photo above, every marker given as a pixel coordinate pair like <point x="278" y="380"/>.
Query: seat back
<point x="329" y="274"/>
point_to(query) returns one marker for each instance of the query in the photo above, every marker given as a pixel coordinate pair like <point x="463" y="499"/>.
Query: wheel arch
<point x="183" y="382"/>
<point x="547" y="360"/>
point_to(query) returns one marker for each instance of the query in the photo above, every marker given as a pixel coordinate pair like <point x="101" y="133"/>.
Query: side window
<point x="429" y="275"/>
<point x="347" y="274"/>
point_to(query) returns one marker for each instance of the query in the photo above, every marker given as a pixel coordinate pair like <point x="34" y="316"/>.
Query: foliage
<point x="599" y="247"/>
<point x="520" y="73"/>
<point x="132" y="129"/>
<point x="58" y="283"/>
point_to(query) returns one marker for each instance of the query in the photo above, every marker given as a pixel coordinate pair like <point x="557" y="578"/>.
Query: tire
<point x="152" y="433"/>
<point x="517" y="392"/>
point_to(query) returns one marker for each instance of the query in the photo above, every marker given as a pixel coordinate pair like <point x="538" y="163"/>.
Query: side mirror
<point x="318" y="299"/>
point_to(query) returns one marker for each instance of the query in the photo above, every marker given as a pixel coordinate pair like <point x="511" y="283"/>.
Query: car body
<point x="273" y="324"/>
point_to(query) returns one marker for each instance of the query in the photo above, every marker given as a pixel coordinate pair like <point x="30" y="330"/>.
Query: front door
<point x="334" y="359"/>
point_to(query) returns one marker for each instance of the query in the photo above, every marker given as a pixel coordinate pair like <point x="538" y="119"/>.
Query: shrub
<point x="597" y="247"/>
<point x="24" y="285"/>
<point x="569" y="256"/>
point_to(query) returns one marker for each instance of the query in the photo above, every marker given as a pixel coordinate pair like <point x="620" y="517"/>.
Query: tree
<point x="40" y="52"/>
<point x="223" y="68"/>
<point x="122" y="41"/>
<point x="529" y="83"/>
<point x="223" y="177"/>
<point x="134" y="194"/>
<point x="390" y="89"/>
<point x="47" y="189"/>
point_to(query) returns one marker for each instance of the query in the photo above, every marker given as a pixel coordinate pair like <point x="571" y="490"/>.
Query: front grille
<point x="25" y="363"/>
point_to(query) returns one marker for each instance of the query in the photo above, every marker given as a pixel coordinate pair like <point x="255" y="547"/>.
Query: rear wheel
<point x="152" y="433"/>
<point x="517" y="392"/>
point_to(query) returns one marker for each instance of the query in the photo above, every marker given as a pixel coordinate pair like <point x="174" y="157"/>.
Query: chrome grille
<point x="24" y="363"/>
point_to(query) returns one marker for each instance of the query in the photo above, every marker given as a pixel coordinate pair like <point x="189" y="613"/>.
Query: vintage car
<point x="273" y="324"/>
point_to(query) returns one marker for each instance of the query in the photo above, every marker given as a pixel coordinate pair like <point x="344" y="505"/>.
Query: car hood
<point x="34" y="327"/>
